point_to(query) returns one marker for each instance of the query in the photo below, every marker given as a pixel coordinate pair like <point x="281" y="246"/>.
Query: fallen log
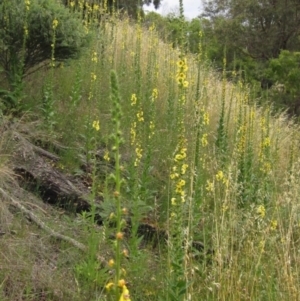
<point x="40" y="223"/>
<point x="36" y="170"/>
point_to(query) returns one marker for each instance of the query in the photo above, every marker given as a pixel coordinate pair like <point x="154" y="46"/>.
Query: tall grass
<point x="198" y="161"/>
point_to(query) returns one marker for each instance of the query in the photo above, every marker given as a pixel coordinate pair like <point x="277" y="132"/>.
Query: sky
<point x="191" y="7"/>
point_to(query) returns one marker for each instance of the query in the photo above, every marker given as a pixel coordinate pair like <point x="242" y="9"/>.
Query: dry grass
<point x="253" y="258"/>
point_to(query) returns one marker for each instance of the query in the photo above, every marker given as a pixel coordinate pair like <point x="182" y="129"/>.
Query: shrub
<point x="285" y="73"/>
<point x="27" y="31"/>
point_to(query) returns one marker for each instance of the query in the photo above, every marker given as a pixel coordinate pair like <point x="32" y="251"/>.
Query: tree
<point x="284" y="71"/>
<point x="27" y="31"/>
<point x="254" y="33"/>
<point x="26" y="37"/>
<point x="129" y="6"/>
<point x="257" y="28"/>
<point x="194" y="38"/>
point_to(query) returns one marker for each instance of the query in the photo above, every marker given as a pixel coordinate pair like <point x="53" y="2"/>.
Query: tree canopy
<point x="258" y="35"/>
<point x="257" y="28"/>
<point x="26" y="38"/>
<point x="129" y="6"/>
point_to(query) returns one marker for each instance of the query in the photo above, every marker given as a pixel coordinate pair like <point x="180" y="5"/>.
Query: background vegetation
<point x="164" y="141"/>
<point x="250" y="34"/>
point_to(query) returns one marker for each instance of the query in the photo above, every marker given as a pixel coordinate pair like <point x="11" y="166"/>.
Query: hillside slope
<point x="170" y="145"/>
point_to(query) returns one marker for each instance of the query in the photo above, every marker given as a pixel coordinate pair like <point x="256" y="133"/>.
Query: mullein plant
<point x="136" y="131"/>
<point x="151" y="95"/>
<point x="19" y="83"/>
<point x="240" y="152"/>
<point x="117" y="286"/>
<point x="146" y="129"/>
<point x="202" y="120"/>
<point x="124" y="47"/>
<point x="222" y="141"/>
<point x="48" y="92"/>
<point x="137" y="141"/>
<point x="112" y="30"/>
<point x="88" y="136"/>
<point x="264" y="156"/>
<point x="178" y="236"/>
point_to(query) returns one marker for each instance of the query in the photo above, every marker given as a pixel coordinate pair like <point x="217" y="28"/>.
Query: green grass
<point x="241" y="182"/>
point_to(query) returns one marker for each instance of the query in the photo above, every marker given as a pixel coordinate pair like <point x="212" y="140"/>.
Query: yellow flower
<point x="181" y="183"/>
<point x="93" y="76"/>
<point x="204" y="140"/>
<point x="125" y="296"/>
<point x="183" y="197"/>
<point x="154" y="93"/>
<point x="27" y="3"/>
<point x="152" y="125"/>
<point x="205" y="118"/>
<point x="180" y="63"/>
<point x="209" y="186"/>
<point x="132" y="134"/>
<point x="181" y="76"/>
<point x="54" y="23"/>
<point x="182" y="99"/>
<point x="179" y="187"/>
<point x="174" y="175"/>
<point x="261" y="210"/>
<point x="183" y="151"/>
<point x="106" y="156"/>
<point x="224" y="208"/>
<point x="140" y="116"/>
<point x="184" y="168"/>
<point x="267" y="142"/>
<point x="94" y="57"/>
<point x="25" y="30"/>
<point x="111" y="263"/>
<point x="139" y="152"/>
<point x="125" y="211"/>
<point x="125" y="253"/>
<point x="273" y="225"/>
<point x="119" y="235"/>
<point x="109" y="285"/>
<point x="179" y="157"/>
<point x="121" y="283"/>
<point x="185" y="84"/>
<point x="133" y="99"/>
<point x="185" y="68"/>
<point x="220" y="175"/>
<point x="96" y="125"/>
<point x="173" y="201"/>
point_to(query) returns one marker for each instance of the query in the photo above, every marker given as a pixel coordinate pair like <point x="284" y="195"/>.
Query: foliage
<point x="169" y="27"/>
<point x="284" y="71"/>
<point x="212" y="178"/>
<point x="131" y="7"/>
<point x="257" y="28"/>
<point x="27" y="31"/>
<point x="253" y="33"/>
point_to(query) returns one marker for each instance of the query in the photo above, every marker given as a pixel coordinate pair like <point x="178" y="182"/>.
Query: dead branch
<point x="41" y="224"/>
